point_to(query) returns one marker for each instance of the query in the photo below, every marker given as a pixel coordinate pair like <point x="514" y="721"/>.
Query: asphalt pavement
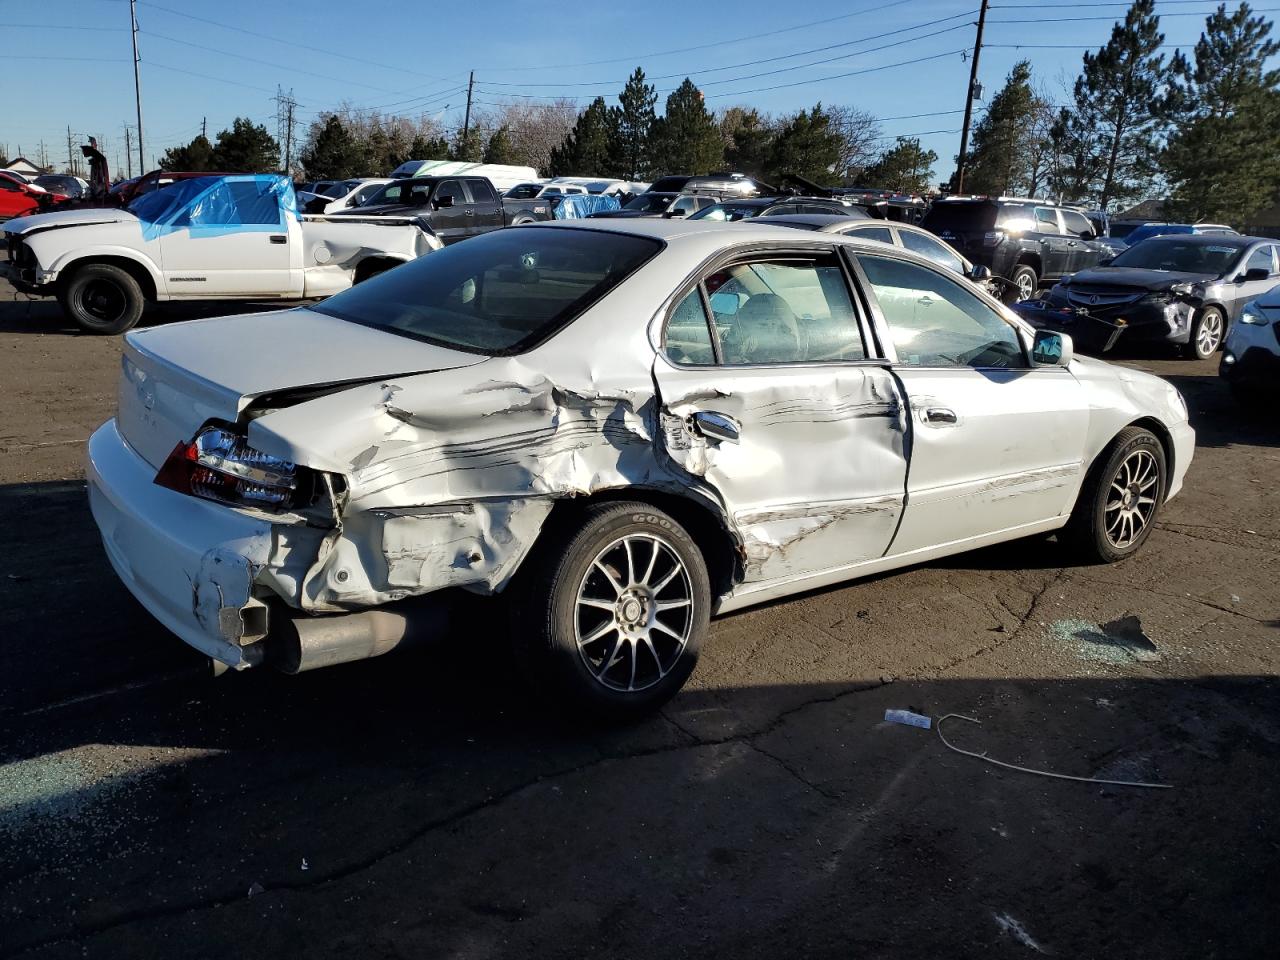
<point x="419" y="805"/>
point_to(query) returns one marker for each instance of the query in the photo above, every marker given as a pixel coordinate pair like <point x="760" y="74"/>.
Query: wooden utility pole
<point x="71" y="157"/>
<point x="137" y="82"/>
<point x="128" y="154"/>
<point x="204" y="127"/>
<point x="466" y="123"/>
<point x="968" y="102"/>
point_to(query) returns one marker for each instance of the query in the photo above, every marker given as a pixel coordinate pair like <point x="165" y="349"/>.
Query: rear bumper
<point x="190" y="562"/>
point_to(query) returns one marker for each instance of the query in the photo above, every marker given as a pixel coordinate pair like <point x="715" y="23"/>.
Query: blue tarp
<point x="582" y="204"/>
<point x="217" y="206"/>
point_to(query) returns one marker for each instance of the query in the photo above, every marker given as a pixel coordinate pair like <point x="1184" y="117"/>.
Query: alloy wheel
<point x="1209" y="334"/>
<point x="634" y="612"/>
<point x="1026" y="289"/>
<point x="1131" y="500"/>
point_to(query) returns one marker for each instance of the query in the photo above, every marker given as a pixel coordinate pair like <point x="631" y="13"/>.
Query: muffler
<point x="299" y="642"/>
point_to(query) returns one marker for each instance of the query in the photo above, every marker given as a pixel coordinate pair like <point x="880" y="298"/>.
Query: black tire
<point x="372" y="271"/>
<point x="1092" y="533"/>
<point x="1023" y="284"/>
<point x="1208" y="333"/>
<point x="547" y="618"/>
<point x="102" y="298"/>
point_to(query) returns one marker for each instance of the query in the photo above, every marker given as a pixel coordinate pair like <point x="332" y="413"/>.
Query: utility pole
<point x="204" y="128"/>
<point x="137" y="82"/>
<point x="968" y="101"/>
<point x="71" y="157"/>
<point x="128" y="154"/>
<point x="466" y="123"/>
<point x="285" y="107"/>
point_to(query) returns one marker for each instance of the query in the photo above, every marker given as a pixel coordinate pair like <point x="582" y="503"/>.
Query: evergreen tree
<point x="468" y="147"/>
<point x="246" y="148"/>
<point x="333" y="153"/>
<point x="585" y="151"/>
<point x="806" y="145"/>
<point x="1002" y="152"/>
<point x="630" y="129"/>
<point x="748" y="139"/>
<point x="500" y="149"/>
<point x="427" y="148"/>
<point x="1074" y="166"/>
<point x="907" y="168"/>
<point x="1220" y="158"/>
<point x="686" y="139"/>
<point x="196" y="155"/>
<point x="1117" y="105"/>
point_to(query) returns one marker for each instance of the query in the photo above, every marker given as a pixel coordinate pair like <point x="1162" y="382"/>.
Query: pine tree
<point x="585" y="151"/>
<point x="428" y="148"/>
<point x="500" y="149"/>
<point x="806" y="145"/>
<point x="748" y="139"/>
<point x="333" y="153"/>
<point x="246" y="148"/>
<point x="195" y="156"/>
<point x="1002" y="153"/>
<point x="686" y="138"/>
<point x="906" y="168"/>
<point x="631" y="127"/>
<point x="1116" y="105"/>
<point x="1220" y="159"/>
<point x="467" y="147"/>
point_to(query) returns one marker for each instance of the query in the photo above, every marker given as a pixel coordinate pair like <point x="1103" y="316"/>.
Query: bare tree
<point x="860" y="140"/>
<point x="534" y="129"/>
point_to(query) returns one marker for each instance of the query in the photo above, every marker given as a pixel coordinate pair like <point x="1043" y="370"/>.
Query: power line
<point x="59" y="26"/>
<point x="839" y="76"/>
<point x="206" y="76"/>
<point x="1184" y="13"/>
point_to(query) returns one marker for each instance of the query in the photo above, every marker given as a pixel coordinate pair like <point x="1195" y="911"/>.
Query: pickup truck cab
<point x="454" y="208"/>
<point x="208" y="238"/>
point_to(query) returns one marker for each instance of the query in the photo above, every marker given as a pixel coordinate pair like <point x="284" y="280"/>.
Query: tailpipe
<point x="305" y="642"/>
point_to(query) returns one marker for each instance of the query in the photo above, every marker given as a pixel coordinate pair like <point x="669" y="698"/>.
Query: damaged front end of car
<point x="1098" y="316"/>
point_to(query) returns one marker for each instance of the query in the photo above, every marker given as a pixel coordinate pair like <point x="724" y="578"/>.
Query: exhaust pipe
<point x="304" y="642"/>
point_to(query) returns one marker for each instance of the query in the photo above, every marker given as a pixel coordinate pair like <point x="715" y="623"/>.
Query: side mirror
<point x="677" y="213"/>
<point x="445" y="201"/>
<point x="979" y="273"/>
<point x="1051" y="349"/>
<point x="1088" y="235"/>
<point x="1253" y="274"/>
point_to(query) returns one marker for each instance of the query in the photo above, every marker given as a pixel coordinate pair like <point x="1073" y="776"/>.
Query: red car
<point x="155" y="180"/>
<point x="19" y="198"/>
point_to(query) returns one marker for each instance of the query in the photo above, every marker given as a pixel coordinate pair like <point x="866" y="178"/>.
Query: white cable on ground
<point x="1039" y="773"/>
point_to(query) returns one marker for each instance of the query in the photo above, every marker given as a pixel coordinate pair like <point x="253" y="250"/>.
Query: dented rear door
<point x="800" y="434"/>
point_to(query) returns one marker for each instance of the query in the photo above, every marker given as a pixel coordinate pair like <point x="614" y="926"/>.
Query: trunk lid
<point x="176" y="378"/>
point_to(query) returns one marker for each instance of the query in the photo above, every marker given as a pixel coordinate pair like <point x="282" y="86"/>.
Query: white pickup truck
<point x="208" y="238"/>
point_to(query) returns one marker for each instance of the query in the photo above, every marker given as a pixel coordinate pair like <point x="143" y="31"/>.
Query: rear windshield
<point x="526" y="191"/>
<point x="1179" y="255"/>
<point x="960" y="216"/>
<point x="729" y="211"/>
<point x="500" y="293"/>
<point x="651" y="202"/>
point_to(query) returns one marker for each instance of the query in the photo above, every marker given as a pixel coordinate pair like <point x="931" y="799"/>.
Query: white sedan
<point x="618" y="428"/>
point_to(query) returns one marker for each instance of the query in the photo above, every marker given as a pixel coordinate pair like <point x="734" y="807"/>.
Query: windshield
<point x="1156" y="230"/>
<point x="500" y="293"/>
<point x="1180" y="255"/>
<point x="651" y="202"/>
<point x="526" y="191"/>
<point x="414" y="191"/>
<point x="729" y="211"/>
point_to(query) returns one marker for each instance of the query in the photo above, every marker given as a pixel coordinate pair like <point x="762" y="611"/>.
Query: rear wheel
<point x="102" y="298"/>
<point x="613" y="610"/>
<point x="1208" y="330"/>
<point x="1120" y="499"/>
<point x="1023" y="284"/>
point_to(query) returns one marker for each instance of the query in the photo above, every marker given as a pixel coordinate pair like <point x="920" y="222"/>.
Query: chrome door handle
<point x="716" y="426"/>
<point x="940" y="415"/>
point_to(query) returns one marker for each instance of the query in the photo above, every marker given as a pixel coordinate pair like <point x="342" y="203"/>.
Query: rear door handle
<point x="279" y="238"/>
<point x="940" y="415"/>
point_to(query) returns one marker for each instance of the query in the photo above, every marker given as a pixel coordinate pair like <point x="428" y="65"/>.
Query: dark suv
<point x="1027" y="242"/>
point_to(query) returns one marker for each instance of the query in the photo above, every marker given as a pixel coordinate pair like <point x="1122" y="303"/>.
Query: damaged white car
<point x="619" y="429"/>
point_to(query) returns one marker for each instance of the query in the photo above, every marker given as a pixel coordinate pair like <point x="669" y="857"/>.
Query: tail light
<point x="220" y="465"/>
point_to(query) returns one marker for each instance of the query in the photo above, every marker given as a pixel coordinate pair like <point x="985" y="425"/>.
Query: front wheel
<point x="1120" y="498"/>
<point x="1207" y="332"/>
<point x="613" y="610"/>
<point x="102" y="298"/>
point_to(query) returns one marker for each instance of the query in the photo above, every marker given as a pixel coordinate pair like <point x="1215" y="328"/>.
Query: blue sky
<point x="70" y="61"/>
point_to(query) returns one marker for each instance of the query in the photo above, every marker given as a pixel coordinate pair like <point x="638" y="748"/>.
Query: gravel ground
<point x="419" y="805"/>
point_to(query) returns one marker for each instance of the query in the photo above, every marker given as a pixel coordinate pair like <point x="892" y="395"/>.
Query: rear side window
<point x="879" y="234"/>
<point x="1047" y="220"/>
<point x="500" y="293"/>
<point x="1077" y="223"/>
<point x="481" y="192"/>
<point x="687" y="338"/>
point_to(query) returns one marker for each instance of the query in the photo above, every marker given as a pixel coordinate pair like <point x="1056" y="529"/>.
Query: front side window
<point x="450" y="188"/>
<point x="935" y="321"/>
<point x="500" y="293"/>
<point x="784" y="311"/>
<point x="935" y="250"/>
<point x="1260" y="259"/>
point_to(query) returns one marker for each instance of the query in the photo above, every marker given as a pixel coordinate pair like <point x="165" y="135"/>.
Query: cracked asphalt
<point x="420" y="806"/>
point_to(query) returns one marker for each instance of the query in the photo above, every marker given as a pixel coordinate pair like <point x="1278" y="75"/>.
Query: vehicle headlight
<point x="1252" y="313"/>
<point x="220" y="465"/>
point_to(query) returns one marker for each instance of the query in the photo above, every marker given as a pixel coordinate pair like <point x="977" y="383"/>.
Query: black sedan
<point x="1186" y="290"/>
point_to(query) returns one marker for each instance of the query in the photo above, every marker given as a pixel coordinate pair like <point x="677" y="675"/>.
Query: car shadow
<point x="42" y="315"/>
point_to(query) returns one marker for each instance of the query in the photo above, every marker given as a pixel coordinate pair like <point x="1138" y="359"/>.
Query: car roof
<point x="820" y="220"/>
<point x="711" y="233"/>
<point x="1207" y="239"/>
